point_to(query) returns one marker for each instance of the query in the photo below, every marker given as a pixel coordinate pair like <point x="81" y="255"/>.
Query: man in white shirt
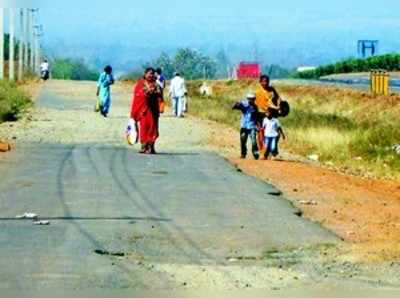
<point x="177" y="93"/>
<point x="45" y="70"/>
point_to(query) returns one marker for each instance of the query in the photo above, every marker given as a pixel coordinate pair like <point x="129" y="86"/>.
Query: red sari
<point x="146" y="108"/>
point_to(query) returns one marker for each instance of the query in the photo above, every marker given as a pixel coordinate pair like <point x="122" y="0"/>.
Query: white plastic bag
<point x="132" y="132"/>
<point x="185" y="107"/>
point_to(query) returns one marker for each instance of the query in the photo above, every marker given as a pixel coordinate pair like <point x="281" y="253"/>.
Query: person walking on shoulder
<point x="272" y="133"/>
<point x="147" y="105"/>
<point x="248" y="125"/>
<point x="177" y="93"/>
<point x="104" y="83"/>
<point x="266" y="97"/>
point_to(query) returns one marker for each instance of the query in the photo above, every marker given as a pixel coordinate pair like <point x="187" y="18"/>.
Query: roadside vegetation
<point x="195" y="65"/>
<point x="70" y="69"/>
<point x="389" y="62"/>
<point x="347" y="129"/>
<point x="13" y="102"/>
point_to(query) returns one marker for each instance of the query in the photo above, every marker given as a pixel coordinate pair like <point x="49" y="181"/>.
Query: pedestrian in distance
<point x="266" y="97"/>
<point x="160" y="79"/>
<point x="178" y="94"/>
<point x="248" y="124"/>
<point x="45" y="70"/>
<point x="103" y="93"/>
<point x="272" y="133"/>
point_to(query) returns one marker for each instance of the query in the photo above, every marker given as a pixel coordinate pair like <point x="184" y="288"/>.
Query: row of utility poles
<point x="28" y="34"/>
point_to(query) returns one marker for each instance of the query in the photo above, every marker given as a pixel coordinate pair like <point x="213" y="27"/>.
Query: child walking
<point x="248" y="125"/>
<point x="273" y="132"/>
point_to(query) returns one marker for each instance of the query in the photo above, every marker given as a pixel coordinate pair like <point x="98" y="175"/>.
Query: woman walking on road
<point x="106" y="79"/>
<point x="147" y="105"/>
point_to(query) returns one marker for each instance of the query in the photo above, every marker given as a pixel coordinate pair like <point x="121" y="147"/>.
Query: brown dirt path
<point x="364" y="212"/>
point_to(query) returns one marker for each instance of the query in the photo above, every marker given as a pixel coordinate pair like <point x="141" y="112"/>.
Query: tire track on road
<point x="68" y="213"/>
<point x="159" y="213"/>
<point x="135" y="203"/>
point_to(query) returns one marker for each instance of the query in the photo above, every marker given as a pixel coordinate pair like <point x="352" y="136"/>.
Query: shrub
<point x="13" y="102"/>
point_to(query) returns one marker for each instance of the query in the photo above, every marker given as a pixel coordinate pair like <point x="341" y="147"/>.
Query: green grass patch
<point x="13" y="102"/>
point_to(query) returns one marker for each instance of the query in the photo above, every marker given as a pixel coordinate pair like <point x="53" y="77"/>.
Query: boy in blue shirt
<point x="248" y="124"/>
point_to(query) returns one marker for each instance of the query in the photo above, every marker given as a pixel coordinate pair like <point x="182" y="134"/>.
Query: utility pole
<point x="1" y="43"/>
<point x="21" y="45"/>
<point x="38" y="33"/>
<point x="11" y="45"/>
<point x="26" y="40"/>
<point x="32" y="38"/>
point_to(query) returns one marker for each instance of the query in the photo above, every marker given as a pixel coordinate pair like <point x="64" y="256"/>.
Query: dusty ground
<point x="363" y="212"/>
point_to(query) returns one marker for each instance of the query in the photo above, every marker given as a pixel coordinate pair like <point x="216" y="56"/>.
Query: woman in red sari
<point x="147" y="104"/>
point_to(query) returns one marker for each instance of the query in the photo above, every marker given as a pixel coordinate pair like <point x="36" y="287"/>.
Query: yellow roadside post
<point x="386" y="83"/>
<point x="373" y="82"/>
<point x="380" y="78"/>
<point x="380" y="82"/>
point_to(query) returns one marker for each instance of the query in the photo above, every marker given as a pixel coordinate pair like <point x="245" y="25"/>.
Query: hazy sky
<point x="291" y="32"/>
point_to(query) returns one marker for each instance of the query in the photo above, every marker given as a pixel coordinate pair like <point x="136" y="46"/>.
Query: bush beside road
<point x="13" y="102"/>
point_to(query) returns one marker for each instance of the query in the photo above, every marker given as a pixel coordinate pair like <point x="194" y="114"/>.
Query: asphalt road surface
<point x="116" y="217"/>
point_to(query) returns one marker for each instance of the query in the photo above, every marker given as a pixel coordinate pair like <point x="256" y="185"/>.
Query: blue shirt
<point x="249" y="115"/>
<point x="104" y="83"/>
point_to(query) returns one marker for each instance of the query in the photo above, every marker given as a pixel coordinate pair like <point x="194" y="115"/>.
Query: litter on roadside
<point x="396" y="148"/>
<point x="4" y="147"/>
<point x="313" y="157"/>
<point x="310" y="203"/>
<point x="27" y="215"/>
<point x="41" y="223"/>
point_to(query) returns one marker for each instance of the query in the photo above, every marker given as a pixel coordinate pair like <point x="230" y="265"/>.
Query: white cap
<point x="251" y="95"/>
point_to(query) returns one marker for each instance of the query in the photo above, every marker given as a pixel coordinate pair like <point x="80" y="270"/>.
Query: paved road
<point x="188" y="207"/>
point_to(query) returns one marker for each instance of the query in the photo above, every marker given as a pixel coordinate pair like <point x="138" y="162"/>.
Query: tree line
<point x="7" y="47"/>
<point x="72" y="69"/>
<point x="389" y="62"/>
<point x="195" y="65"/>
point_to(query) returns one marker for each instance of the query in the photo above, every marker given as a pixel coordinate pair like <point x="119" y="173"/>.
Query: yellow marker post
<point x="380" y="82"/>
<point x="386" y="83"/>
<point x="380" y="85"/>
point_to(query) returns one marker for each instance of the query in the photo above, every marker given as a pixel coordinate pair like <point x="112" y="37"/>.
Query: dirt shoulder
<point x="364" y="212"/>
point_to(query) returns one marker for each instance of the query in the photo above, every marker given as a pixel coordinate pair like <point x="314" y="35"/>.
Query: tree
<point x="69" y="69"/>
<point x="166" y="64"/>
<point x="275" y="71"/>
<point x="7" y="47"/>
<point x="190" y="63"/>
<point x="223" y="64"/>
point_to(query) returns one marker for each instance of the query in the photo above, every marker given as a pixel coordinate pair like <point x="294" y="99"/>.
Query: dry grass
<point x="13" y="102"/>
<point x="349" y="129"/>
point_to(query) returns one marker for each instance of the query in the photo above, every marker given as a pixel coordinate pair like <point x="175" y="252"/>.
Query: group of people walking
<point x="260" y="111"/>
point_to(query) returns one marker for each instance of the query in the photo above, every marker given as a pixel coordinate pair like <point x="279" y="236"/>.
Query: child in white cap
<point x="248" y="124"/>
